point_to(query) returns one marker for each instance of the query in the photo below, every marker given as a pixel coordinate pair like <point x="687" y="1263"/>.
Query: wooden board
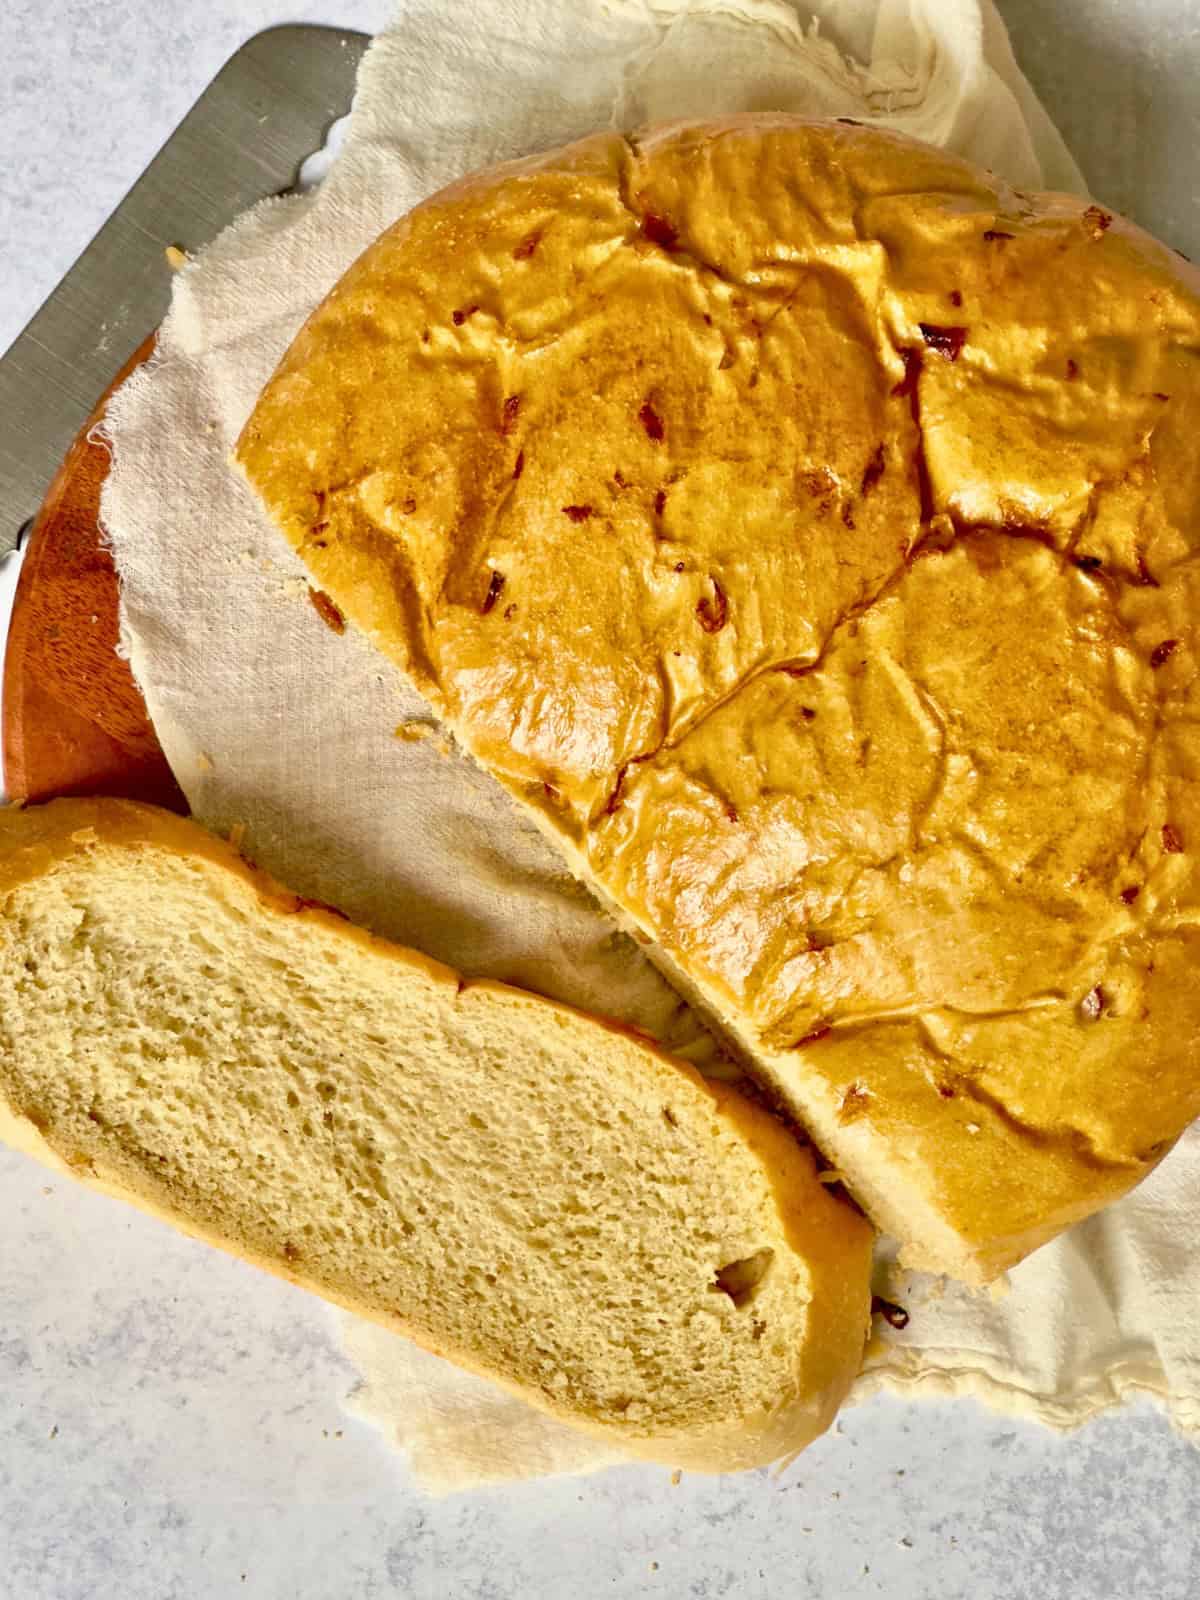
<point x="74" y="719"/>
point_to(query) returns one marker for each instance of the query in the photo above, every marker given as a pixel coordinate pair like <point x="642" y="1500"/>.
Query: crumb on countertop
<point x="414" y="729"/>
<point x="328" y="611"/>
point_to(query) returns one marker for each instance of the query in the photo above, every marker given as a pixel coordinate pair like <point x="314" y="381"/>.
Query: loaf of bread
<point x="545" y="1198"/>
<point x="803" y="526"/>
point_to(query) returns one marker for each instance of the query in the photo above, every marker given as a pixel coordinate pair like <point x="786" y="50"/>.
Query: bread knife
<point x="270" y="106"/>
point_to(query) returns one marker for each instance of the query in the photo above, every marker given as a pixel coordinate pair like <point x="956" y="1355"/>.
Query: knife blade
<point x="268" y="108"/>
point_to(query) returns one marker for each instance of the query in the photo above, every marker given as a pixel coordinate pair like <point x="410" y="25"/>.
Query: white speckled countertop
<point x="170" y="1426"/>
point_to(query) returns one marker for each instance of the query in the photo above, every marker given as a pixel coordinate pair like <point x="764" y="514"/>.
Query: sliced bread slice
<point x="545" y="1198"/>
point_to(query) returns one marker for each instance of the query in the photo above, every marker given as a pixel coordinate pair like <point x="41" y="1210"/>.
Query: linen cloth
<point x="334" y="769"/>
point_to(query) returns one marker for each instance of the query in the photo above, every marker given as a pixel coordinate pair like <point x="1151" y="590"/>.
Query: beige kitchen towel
<point x="344" y="786"/>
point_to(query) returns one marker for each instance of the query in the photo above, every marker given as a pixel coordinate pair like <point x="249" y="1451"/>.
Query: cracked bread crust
<point x="802" y="524"/>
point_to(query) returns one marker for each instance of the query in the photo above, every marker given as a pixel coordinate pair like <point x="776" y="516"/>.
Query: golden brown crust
<point x="830" y="1237"/>
<point x="802" y="524"/>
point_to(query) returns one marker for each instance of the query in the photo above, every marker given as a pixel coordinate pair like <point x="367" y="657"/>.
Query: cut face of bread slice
<point x="797" y="521"/>
<point x="542" y="1197"/>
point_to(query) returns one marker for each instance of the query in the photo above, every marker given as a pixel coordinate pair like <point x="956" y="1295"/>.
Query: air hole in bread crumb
<point x="741" y="1280"/>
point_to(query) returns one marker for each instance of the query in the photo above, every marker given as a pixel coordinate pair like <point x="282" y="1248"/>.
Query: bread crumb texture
<point x="544" y="1197"/>
<point x="803" y="525"/>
